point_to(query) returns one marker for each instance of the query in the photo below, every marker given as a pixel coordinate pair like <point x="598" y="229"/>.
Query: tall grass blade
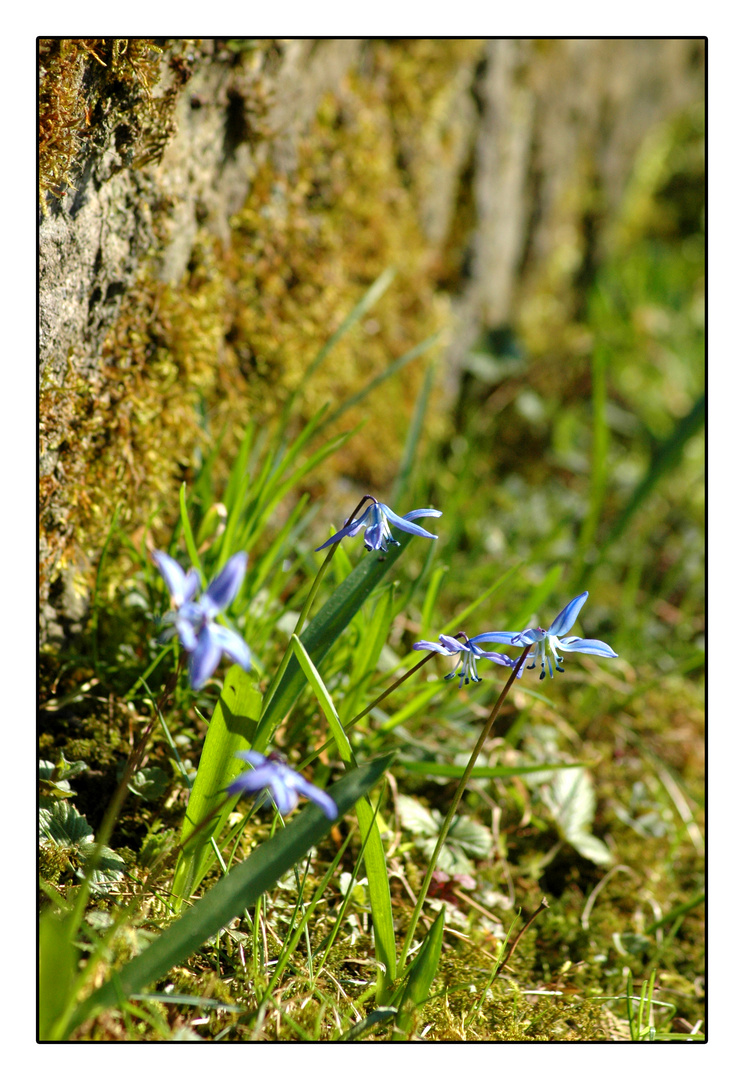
<point x="421" y="975"/>
<point x="374" y="853"/>
<point x="323" y="631"/>
<point x="232" y="728"/>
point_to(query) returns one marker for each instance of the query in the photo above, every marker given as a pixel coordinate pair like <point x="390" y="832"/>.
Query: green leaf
<point x="465" y="836"/>
<point x="421" y="975"/>
<point x="571" y="801"/>
<point x="238" y="890"/>
<point x="374" y="852"/>
<point x="480" y="772"/>
<point x="60" y="824"/>
<point x="232" y="728"/>
<point x="323" y="631"/>
<point x="149" y="783"/>
<point x="58" y="960"/>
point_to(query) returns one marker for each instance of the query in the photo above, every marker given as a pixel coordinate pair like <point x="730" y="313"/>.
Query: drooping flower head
<point x="548" y="642"/>
<point x="468" y="653"/>
<point x="285" y="785"/>
<point x="194" y="620"/>
<point x="376" y="521"/>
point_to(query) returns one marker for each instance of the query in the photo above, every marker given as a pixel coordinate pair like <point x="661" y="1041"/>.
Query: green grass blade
<point x="323" y="631"/>
<point x="374" y="852"/>
<point x="58" y="963"/>
<point x="187" y="533"/>
<point x="389" y="371"/>
<point x="483" y="772"/>
<point x="414" y="433"/>
<point x="240" y="889"/>
<point x="421" y="975"/>
<point x="370" y="298"/>
<point x="231" y="728"/>
<point x="665" y="459"/>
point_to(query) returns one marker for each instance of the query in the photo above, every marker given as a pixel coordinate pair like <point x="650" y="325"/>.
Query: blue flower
<point x="194" y="620"/>
<point x="376" y="521"/>
<point x="470" y="653"/>
<point x="284" y="784"/>
<point x="548" y="642"/>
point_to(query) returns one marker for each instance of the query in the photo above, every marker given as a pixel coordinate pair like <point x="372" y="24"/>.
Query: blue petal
<point x="433" y="646"/>
<point x="587" y="645"/>
<point x="284" y="796"/>
<point x="497" y="657"/>
<point x="565" y="619"/>
<point x="413" y="514"/>
<point x="374" y="539"/>
<point x="405" y="524"/>
<point x="186" y="634"/>
<point x="204" y="659"/>
<point x="453" y="644"/>
<point x="348" y="530"/>
<point x="253" y="780"/>
<point x="181" y="586"/>
<point x="528" y="637"/>
<point x="252" y="756"/>
<point x="222" y="591"/>
<point x="496" y="635"/>
<point x="317" y="795"/>
<point x="232" y="644"/>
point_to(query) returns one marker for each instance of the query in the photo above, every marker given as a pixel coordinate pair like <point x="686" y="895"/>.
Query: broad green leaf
<point x="570" y="799"/>
<point x="238" y="890"/>
<point x="465" y="836"/>
<point x="232" y="728"/>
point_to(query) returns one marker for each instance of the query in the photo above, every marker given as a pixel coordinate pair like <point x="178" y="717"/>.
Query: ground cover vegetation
<point x="496" y="855"/>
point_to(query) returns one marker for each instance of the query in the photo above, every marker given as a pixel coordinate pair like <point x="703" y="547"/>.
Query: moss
<point x="86" y="80"/>
<point x="229" y="343"/>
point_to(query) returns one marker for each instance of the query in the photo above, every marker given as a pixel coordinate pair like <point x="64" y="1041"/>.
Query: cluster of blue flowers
<point x="205" y="640"/>
<point x="546" y="642"/>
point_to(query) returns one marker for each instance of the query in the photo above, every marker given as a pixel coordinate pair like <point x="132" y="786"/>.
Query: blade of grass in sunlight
<point x="392" y="369"/>
<point x="482" y="772"/>
<point x="665" y="458"/>
<point x="188" y="534"/>
<point x="231" y="729"/>
<point x="323" y="631"/>
<point x="415" y="428"/>
<point x="420" y="976"/>
<point x="374" y="855"/>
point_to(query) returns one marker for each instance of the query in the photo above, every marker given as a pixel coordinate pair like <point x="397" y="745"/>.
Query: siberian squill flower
<point x="284" y="784"/>
<point x="376" y="521"/>
<point x="194" y="620"/>
<point x="548" y="642"/>
<point x="469" y="653"/>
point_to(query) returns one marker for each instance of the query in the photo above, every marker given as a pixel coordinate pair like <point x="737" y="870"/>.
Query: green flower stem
<point x="453" y="807"/>
<point x="305" y="611"/>
<point x="381" y="697"/>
